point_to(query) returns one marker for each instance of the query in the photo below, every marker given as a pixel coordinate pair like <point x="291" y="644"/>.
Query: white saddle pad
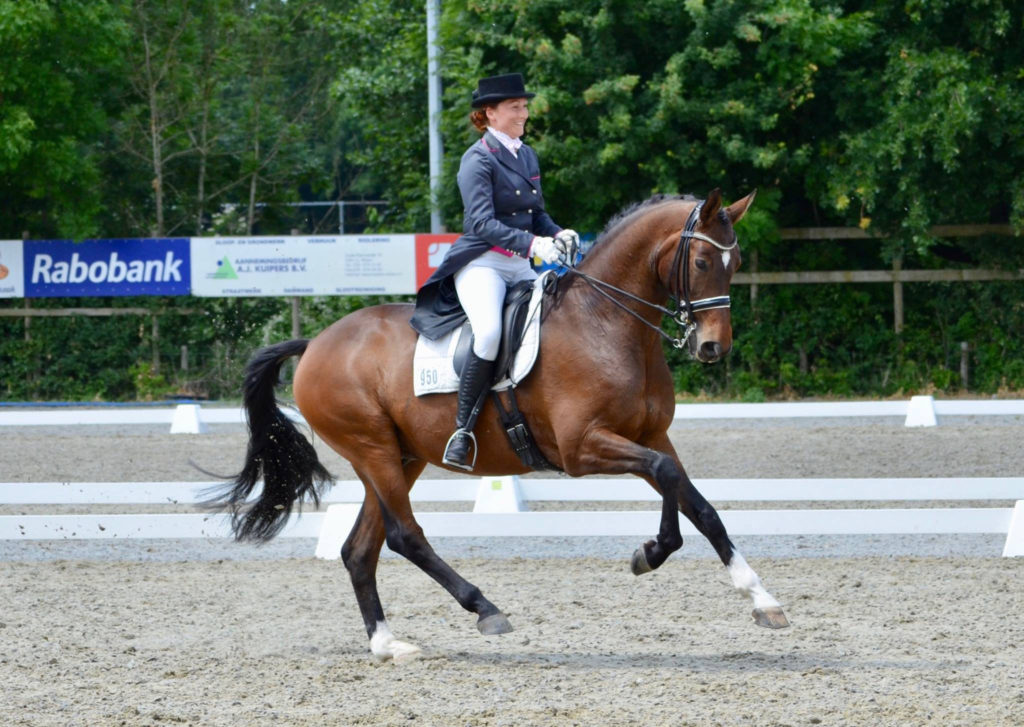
<point x="433" y="367"/>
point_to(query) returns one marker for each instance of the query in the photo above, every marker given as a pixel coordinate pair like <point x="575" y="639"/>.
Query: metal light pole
<point x="434" y="113"/>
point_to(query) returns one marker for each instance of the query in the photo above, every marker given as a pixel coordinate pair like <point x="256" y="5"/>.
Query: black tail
<point x="277" y="451"/>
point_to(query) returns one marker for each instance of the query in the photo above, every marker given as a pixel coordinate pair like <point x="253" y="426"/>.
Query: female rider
<point x="504" y="226"/>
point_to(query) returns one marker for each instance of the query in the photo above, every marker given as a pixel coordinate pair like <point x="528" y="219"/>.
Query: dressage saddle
<point x="513" y="323"/>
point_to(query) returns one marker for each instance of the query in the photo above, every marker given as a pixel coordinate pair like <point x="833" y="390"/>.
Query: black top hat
<point x="499" y="88"/>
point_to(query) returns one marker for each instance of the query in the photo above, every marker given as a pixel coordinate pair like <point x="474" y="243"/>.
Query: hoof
<point x="639" y="564"/>
<point x="394" y="650"/>
<point x="770" y="618"/>
<point x="494" y="624"/>
<point x="402" y="652"/>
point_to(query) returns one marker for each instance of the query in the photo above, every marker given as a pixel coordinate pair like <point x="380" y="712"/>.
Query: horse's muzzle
<point x="709" y="352"/>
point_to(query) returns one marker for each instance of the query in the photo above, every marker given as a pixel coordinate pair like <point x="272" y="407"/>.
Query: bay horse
<point x="599" y="400"/>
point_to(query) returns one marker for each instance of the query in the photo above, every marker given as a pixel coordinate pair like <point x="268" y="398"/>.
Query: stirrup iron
<point x="461" y="465"/>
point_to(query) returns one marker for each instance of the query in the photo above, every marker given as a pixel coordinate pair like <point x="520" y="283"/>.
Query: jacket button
<point x="530" y="211"/>
<point x="517" y="192"/>
<point x="513" y="214"/>
<point x="535" y="191"/>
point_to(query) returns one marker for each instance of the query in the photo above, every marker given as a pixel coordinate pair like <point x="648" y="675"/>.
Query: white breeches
<point x="481" y="287"/>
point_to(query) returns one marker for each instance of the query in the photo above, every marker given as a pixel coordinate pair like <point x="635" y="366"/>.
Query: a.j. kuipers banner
<point x="220" y="266"/>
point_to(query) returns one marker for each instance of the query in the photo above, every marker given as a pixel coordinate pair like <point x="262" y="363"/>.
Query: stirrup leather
<point x="453" y="463"/>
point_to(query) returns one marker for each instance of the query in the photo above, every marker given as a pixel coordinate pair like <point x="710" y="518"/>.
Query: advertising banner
<point x="430" y="251"/>
<point x="157" y="266"/>
<point x="12" y="269"/>
<point x="379" y="264"/>
<point x="222" y="266"/>
<point x="324" y="265"/>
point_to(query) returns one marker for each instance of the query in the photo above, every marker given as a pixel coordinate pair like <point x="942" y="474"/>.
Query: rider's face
<point x="509" y="116"/>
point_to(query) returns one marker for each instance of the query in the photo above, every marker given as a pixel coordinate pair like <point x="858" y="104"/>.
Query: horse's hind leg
<point x="405" y="537"/>
<point x="361" y="554"/>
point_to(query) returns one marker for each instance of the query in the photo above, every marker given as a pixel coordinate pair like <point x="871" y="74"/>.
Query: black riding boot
<point x="473" y="384"/>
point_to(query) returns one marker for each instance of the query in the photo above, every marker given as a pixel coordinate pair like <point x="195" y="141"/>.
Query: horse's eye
<point x="701" y="263"/>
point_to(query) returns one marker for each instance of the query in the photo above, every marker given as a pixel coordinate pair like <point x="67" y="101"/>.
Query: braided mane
<point x="632" y="209"/>
<point x="628" y="211"/>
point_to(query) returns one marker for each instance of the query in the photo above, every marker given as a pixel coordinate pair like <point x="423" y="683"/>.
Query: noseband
<point x="683" y="311"/>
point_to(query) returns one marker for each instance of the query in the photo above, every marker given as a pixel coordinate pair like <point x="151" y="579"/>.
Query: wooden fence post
<point x="296" y="305"/>
<point x="897" y="293"/>
<point x="964" y="364"/>
<point x="156" y="345"/>
<point x="753" y="286"/>
<point x="296" y="319"/>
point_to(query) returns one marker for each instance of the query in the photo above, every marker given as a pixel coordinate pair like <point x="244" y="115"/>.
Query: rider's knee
<point x="486" y="343"/>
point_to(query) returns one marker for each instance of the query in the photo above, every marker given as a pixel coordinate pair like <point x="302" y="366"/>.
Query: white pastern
<point x="385" y="646"/>
<point x="726" y="257"/>
<point x="747" y="582"/>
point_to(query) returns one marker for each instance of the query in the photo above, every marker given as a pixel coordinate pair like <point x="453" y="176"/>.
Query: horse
<point x="599" y="400"/>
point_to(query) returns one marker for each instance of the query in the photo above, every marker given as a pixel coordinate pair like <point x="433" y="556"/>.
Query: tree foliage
<point x="133" y="117"/>
<point x="59" y="65"/>
<point x="667" y="97"/>
<point x="929" y="120"/>
<point x="381" y="90"/>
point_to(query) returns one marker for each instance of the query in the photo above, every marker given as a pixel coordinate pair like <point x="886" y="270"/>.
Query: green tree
<point x="930" y="116"/>
<point x="165" y="48"/>
<point x="281" y="101"/>
<point x="380" y="54"/>
<point x="227" y="108"/>
<point x="61" y="66"/>
<point x="665" y="96"/>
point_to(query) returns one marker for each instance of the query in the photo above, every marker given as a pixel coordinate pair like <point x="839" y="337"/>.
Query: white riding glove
<point x="546" y="249"/>
<point x="569" y="241"/>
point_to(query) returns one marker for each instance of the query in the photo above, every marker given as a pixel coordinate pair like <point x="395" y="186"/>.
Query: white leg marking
<point x="385" y="646"/>
<point x="726" y="257"/>
<point x="747" y="582"/>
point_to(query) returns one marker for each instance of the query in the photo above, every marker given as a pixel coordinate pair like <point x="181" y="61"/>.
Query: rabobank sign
<point x="159" y="266"/>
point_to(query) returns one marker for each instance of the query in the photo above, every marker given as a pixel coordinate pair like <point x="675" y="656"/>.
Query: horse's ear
<point x="711" y="206"/>
<point x="737" y="209"/>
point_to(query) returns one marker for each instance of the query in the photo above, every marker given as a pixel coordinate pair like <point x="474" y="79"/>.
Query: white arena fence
<point x="498" y="509"/>
<point x="193" y="418"/>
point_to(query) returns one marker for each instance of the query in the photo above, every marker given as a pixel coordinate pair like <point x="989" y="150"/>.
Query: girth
<point x="519" y="434"/>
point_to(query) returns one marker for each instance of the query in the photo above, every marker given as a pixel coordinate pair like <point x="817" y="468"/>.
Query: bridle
<point x="684" y="309"/>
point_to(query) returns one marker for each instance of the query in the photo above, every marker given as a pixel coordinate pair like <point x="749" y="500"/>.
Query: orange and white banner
<point x="12" y="269"/>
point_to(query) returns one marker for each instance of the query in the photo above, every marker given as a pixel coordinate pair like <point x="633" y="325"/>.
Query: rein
<point x="683" y="312"/>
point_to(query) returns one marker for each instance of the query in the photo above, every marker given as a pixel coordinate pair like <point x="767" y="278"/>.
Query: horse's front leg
<point x="664" y="478"/>
<point x="767" y="611"/>
<point x="606" y="452"/>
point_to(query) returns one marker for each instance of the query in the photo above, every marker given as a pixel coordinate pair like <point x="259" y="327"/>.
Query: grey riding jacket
<point x="504" y="208"/>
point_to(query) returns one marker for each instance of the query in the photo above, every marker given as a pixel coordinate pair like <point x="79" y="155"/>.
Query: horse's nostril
<point x="711" y="350"/>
